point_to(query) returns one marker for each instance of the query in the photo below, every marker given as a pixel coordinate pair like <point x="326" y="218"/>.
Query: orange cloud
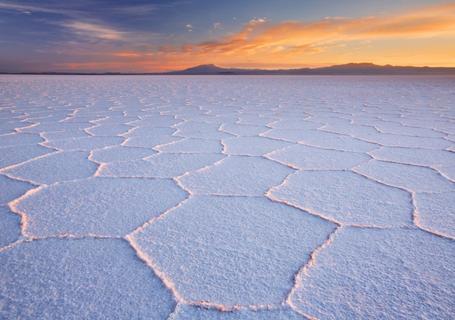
<point x="421" y="37"/>
<point x="127" y="54"/>
<point x="292" y="37"/>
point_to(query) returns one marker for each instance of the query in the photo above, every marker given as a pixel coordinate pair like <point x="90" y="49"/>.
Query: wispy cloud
<point x="92" y="30"/>
<point x="82" y="8"/>
<point x="26" y="8"/>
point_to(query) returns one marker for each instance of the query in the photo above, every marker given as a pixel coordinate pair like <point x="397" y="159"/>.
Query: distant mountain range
<point x="342" y="69"/>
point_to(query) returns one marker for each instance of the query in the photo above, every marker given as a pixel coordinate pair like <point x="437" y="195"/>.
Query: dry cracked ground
<point x="141" y="197"/>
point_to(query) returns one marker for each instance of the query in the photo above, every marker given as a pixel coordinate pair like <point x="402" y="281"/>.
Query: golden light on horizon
<point x="419" y="37"/>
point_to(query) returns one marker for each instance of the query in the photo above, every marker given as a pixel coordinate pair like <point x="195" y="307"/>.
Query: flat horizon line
<point x="364" y="68"/>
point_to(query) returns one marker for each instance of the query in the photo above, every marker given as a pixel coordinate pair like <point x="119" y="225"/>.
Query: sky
<point x="156" y="36"/>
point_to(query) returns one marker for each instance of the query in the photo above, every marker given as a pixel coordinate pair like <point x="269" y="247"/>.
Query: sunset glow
<point x="158" y="36"/>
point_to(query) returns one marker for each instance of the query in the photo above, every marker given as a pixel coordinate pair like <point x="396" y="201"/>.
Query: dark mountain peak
<point x="203" y="69"/>
<point x="363" y="68"/>
<point x="360" y="65"/>
<point x="208" y="65"/>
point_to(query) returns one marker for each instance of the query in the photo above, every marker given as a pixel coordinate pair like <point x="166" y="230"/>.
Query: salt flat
<point x="224" y="197"/>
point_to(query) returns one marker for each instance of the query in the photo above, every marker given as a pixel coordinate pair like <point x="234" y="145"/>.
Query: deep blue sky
<point x="48" y="34"/>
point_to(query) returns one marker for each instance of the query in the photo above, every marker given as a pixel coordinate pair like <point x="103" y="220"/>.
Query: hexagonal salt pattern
<point x="120" y="153"/>
<point x="406" y="176"/>
<point x="79" y="279"/>
<point x="163" y="165"/>
<point x="377" y="274"/>
<point x="322" y="139"/>
<point x="77" y="166"/>
<point x="252" y="146"/>
<point x="311" y="158"/>
<point x="243" y="130"/>
<point x="226" y="197"/>
<point x="347" y="198"/>
<point x="191" y="145"/>
<point x="84" y="144"/>
<point x="420" y="157"/>
<point x="232" y="250"/>
<point x="98" y="206"/>
<point x="236" y="175"/>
